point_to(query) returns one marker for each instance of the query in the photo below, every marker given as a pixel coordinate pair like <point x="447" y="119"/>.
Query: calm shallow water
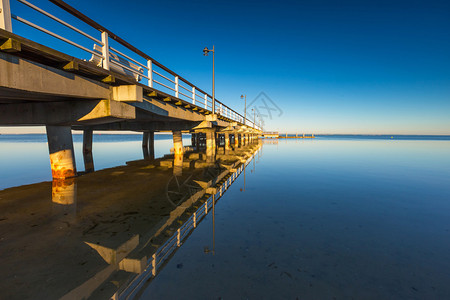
<point x="24" y="159"/>
<point x="327" y="218"/>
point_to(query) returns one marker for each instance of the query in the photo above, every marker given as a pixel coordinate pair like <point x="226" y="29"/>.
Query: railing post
<point x="105" y="50"/>
<point x="206" y="207"/>
<point x="195" y="219"/>
<point x="150" y="73"/>
<point x="178" y="238"/>
<point x="176" y="87"/>
<point x="154" y="264"/>
<point x="220" y="109"/>
<point x="206" y="101"/>
<point x="5" y="15"/>
<point x="193" y="95"/>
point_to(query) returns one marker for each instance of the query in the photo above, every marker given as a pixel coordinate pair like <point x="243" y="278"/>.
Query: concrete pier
<point x="41" y="86"/>
<point x="236" y="140"/>
<point x="87" y="151"/>
<point x="145" y="144"/>
<point x="60" y="146"/>
<point x="177" y="142"/>
<point x="195" y="140"/>
<point x="151" y="145"/>
<point x="148" y="144"/>
<point x="210" y="145"/>
<point x="227" y="141"/>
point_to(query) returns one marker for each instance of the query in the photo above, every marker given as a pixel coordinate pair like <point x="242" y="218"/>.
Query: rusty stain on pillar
<point x="60" y="146"/>
<point x="177" y="142"/>
<point x="87" y="151"/>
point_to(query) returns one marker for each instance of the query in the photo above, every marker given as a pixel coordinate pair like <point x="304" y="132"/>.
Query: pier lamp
<point x="205" y="53"/>
<point x="245" y="107"/>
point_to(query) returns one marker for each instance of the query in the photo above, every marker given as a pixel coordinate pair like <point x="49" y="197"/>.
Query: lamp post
<point x="205" y="53"/>
<point x="254" y="117"/>
<point x="245" y="107"/>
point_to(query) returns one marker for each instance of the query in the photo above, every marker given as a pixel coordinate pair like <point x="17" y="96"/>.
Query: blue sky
<point x="331" y="66"/>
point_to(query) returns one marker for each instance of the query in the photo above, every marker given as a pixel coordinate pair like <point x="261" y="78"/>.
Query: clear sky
<point x="329" y="66"/>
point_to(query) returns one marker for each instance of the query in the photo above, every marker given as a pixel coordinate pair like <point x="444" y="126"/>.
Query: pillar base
<point x="62" y="157"/>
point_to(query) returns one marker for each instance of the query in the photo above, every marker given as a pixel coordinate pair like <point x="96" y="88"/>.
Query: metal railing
<point x="168" y="248"/>
<point x="105" y="53"/>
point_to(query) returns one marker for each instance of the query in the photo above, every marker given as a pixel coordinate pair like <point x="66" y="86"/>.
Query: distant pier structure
<point x="99" y="82"/>
<point x="277" y="135"/>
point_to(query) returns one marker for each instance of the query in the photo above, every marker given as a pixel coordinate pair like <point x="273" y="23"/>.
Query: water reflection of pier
<point x="106" y="234"/>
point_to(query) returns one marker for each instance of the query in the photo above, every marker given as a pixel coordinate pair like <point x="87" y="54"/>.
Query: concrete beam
<point x="65" y="112"/>
<point x="143" y="126"/>
<point x="167" y="109"/>
<point x="31" y="77"/>
<point x="127" y="93"/>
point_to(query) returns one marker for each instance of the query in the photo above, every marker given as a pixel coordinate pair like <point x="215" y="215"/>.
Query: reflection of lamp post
<point x="243" y="190"/>
<point x="205" y="53"/>
<point x="245" y="107"/>
<point x="206" y="249"/>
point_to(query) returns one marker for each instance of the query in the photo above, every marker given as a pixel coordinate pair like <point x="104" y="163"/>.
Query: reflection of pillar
<point x="64" y="191"/>
<point x="178" y="164"/>
<point x="87" y="151"/>
<point x="145" y="135"/>
<point x="227" y="141"/>
<point x="210" y="145"/>
<point x="60" y="146"/>
<point x="151" y="145"/>
<point x="177" y="142"/>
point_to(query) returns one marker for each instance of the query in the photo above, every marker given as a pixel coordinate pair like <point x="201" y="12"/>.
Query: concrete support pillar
<point x="236" y="140"/>
<point x="193" y="140"/>
<point x="197" y="140"/>
<point x="227" y="141"/>
<point x="151" y="145"/>
<point x="145" y="135"/>
<point x="60" y="147"/>
<point x="177" y="142"/>
<point x="210" y="145"/>
<point x="87" y="151"/>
